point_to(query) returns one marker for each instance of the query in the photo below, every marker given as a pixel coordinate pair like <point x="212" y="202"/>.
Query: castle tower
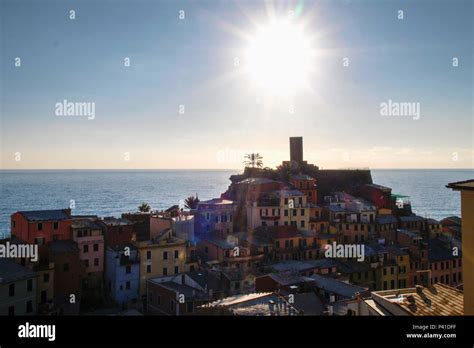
<point x="296" y="149"/>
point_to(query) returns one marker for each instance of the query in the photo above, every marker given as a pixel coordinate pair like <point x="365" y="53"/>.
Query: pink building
<point x="88" y="234"/>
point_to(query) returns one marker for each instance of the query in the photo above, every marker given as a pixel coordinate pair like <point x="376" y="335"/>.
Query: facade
<point x="118" y="231"/>
<point x="162" y="256"/>
<point x="88" y="234"/>
<point x="214" y="216"/>
<point x="176" y="296"/>
<point x="68" y="275"/>
<point x="467" y="224"/>
<point x="286" y="207"/>
<point x="17" y="289"/>
<point x="307" y="185"/>
<point x="122" y="274"/>
<point x="41" y="226"/>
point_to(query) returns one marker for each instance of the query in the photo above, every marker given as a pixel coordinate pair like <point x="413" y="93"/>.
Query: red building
<point x="117" y="231"/>
<point x="380" y="196"/>
<point x="307" y="185"/>
<point x="68" y="275"/>
<point x="42" y="226"/>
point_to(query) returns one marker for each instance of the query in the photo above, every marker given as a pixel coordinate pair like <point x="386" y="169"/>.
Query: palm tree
<point x="144" y="207"/>
<point x="253" y="160"/>
<point x="191" y="202"/>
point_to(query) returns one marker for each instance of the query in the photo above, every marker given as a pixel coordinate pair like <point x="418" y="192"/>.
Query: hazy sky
<point x="191" y="62"/>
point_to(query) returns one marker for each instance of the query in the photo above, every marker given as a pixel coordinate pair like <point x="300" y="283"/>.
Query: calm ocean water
<point x="108" y="193"/>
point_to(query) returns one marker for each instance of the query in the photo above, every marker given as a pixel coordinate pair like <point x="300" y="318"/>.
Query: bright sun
<point x="279" y="58"/>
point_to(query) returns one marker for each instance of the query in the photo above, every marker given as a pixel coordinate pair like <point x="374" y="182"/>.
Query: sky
<point x="183" y="102"/>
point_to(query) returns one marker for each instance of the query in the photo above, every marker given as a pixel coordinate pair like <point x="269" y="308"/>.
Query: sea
<point x="113" y="192"/>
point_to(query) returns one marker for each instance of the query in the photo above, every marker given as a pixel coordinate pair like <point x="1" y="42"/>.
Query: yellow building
<point x="280" y="208"/>
<point x="467" y="228"/>
<point x="165" y="255"/>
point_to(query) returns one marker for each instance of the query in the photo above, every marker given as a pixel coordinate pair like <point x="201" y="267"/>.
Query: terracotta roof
<point x="437" y="299"/>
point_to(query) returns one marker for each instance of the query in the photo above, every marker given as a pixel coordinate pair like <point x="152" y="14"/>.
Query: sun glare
<point x="279" y="58"/>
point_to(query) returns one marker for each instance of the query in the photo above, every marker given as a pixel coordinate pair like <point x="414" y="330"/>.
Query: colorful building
<point x="41" y="226"/>
<point x="214" y="216"/>
<point x="162" y="256"/>
<point x="122" y="273"/>
<point x="17" y="289"/>
<point x="467" y="225"/>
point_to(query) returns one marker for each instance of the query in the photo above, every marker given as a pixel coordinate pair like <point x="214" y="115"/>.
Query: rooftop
<point x="295" y="265"/>
<point x="386" y="219"/>
<point x="380" y="187"/>
<point x="186" y="290"/>
<point x="62" y="246"/>
<point x="256" y="304"/>
<point x="336" y="286"/>
<point x="255" y="181"/>
<point x="11" y="271"/>
<point x="462" y="185"/>
<point x="113" y="221"/>
<point x="46" y="215"/>
<point x="437" y="299"/>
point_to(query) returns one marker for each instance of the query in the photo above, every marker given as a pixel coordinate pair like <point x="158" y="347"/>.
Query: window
<point x="148" y="255"/>
<point x="165" y="271"/>
<point x="385" y="285"/>
<point x="29" y="306"/>
<point x="148" y="268"/>
<point x="286" y="212"/>
<point x="189" y="307"/>
<point x="96" y="247"/>
<point x="176" y="269"/>
<point x="11" y="311"/>
<point x="165" y="255"/>
<point x="392" y="284"/>
<point x="66" y="267"/>
<point x="176" y="254"/>
<point x="302" y="212"/>
<point x="86" y="248"/>
<point x="46" y="278"/>
<point x="172" y="305"/>
<point x="392" y="270"/>
<point x="302" y="223"/>
<point x="11" y="290"/>
<point x="86" y="262"/>
<point x="128" y="269"/>
<point x="40" y="226"/>
<point x="96" y="262"/>
<point x="39" y="241"/>
<point x="29" y="285"/>
<point x="127" y="285"/>
<point x="55" y="225"/>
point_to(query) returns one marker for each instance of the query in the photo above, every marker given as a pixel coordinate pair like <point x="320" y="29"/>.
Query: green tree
<point x="144" y="207"/>
<point x="191" y="202"/>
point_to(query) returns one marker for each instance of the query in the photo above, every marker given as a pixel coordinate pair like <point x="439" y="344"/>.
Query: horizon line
<point x="208" y="169"/>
